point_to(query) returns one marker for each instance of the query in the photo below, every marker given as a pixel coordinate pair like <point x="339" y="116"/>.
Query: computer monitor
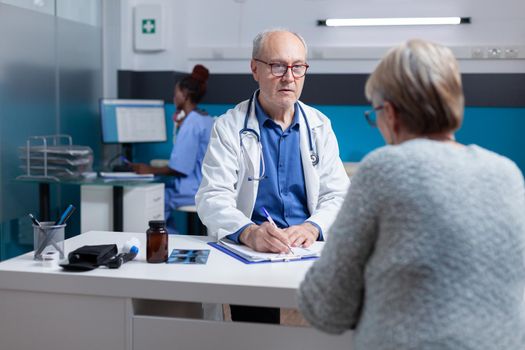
<point x="131" y="121"/>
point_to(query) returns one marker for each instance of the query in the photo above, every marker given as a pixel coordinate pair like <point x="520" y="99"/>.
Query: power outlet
<point x="494" y="53"/>
<point x="511" y="52"/>
<point x="317" y="54"/>
<point x="217" y="54"/>
<point x="477" y="52"/>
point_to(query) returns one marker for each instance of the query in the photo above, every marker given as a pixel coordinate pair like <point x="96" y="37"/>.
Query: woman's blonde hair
<point x="422" y="81"/>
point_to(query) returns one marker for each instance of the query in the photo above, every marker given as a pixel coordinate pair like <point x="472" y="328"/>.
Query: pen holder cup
<point x="48" y="237"/>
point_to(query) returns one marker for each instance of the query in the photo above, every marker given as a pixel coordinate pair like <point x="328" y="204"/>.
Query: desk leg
<point x="202" y="229"/>
<point x="118" y="193"/>
<point x="195" y="226"/>
<point x="191" y="228"/>
<point x="44" y="200"/>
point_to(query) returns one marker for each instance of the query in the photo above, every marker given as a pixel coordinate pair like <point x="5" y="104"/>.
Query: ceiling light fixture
<point x="408" y="21"/>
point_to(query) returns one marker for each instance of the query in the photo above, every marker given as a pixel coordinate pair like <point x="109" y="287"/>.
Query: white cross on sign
<point x="148" y="26"/>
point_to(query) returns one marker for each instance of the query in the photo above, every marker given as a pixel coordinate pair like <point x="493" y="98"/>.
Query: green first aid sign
<point x="148" y="26"/>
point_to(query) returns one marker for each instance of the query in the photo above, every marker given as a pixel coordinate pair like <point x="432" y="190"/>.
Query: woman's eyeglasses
<point x="371" y="115"/>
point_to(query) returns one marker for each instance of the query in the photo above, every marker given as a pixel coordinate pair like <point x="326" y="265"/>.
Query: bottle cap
<point x="157" y="223"/>
<point x="50" y="259"/>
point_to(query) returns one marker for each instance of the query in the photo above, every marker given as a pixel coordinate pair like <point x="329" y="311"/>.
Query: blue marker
<point x="270" y="219"/>
<point x="65" y="215"/>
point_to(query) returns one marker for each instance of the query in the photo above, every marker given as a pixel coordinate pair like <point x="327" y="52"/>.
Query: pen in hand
<point x="270" y="219"/>
<point x="125" y="160"/>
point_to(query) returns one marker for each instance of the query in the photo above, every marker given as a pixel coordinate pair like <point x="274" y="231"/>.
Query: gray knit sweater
<point x="427" y="252"/>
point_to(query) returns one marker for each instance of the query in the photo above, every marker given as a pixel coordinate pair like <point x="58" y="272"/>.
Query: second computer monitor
<point x="131" y="121"/>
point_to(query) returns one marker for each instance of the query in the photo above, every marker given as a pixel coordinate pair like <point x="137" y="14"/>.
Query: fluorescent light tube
<point x="409" y="21"/>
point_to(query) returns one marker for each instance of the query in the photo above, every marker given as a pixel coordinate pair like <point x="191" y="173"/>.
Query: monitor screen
<point x="126" y="121"/>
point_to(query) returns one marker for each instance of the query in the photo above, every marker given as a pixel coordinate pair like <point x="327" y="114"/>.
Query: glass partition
<point x="50" y="83"/>
<point x="43" y="6"/>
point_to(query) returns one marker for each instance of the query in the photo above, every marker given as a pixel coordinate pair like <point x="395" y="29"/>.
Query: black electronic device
<point x="122" y="168"/>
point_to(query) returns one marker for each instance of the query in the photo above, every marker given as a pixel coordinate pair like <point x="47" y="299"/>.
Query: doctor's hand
<point x="265" y="238"/>
<point x="302" y="235"/>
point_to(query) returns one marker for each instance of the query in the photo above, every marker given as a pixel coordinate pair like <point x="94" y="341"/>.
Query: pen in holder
<point x="48" y="237"/>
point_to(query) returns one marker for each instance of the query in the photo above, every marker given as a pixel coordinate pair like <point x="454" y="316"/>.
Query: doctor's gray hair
<point x="422" y="81"/>
<point x="259" y="39"/>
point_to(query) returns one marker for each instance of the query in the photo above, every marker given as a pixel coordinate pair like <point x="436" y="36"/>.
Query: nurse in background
<point x="192" y="134"/>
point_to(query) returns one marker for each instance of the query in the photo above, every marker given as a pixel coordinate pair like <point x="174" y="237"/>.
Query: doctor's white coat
<point x="226" y="196"/>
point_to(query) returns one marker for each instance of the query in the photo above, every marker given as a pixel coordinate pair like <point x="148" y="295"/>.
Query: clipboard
<point x="277" y="257"/>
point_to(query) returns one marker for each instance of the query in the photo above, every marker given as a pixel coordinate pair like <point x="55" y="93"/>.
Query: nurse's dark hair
<point x="196" y="83"/>
<point x="259" y="39"/>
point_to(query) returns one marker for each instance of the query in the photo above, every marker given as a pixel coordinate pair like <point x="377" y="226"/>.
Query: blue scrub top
<point x="186" y="158"/>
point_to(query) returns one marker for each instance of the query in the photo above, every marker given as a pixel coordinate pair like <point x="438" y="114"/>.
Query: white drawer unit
<point x="149" y="332"/>
<point x="140" y="204"/>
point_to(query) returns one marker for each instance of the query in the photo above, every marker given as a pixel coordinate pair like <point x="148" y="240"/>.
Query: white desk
<point x="50" y="309"/>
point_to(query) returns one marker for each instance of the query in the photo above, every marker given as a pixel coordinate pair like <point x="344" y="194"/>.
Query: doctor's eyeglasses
<point x="279" y="69"/>
<point x="371" y="115"/>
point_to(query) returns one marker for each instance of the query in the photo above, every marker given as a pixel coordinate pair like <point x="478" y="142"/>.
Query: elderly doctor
<point x="273" y="152"/>
<point x="276" y="153"/>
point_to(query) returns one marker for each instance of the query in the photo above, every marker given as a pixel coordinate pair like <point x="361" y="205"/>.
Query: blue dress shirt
<point x="283" y="191"/>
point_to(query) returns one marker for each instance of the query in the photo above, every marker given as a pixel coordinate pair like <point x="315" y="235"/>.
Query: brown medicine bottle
<point x="157" y="242"/>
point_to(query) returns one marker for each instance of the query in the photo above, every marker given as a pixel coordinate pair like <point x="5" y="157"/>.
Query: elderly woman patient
<point x="428" y="249"/>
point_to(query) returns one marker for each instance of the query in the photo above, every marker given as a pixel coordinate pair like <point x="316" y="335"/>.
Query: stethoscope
<point x="245" y="131"/>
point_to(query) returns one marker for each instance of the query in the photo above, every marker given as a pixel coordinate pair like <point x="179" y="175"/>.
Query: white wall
<point x="175" y="31"/>
<point x="218" y="33"/>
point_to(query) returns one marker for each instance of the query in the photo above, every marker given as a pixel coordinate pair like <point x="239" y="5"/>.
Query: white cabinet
<point x="140" y="204"/>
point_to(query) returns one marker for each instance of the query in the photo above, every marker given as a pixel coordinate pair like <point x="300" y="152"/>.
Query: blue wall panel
<point x="497" y="129"/>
